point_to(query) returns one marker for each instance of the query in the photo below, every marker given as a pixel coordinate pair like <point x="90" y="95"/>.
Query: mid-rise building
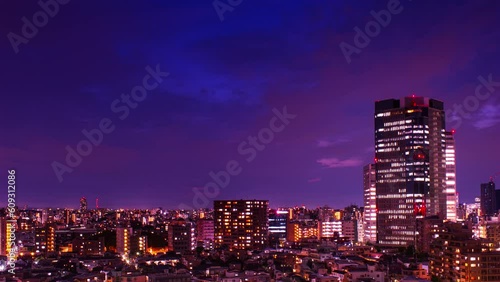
<point x="45" y="238"/>
<point x="85" y="247"/>
<point x="410" y="166"/>
<point x="138" y="244"/>
<point x="427" y="230"/>
<point x="298" y="230"/>
<point x="330" y="229"/>
<point x="277" y="226"/>
<point x="241" y="224"/>
<point x="352" y="230"/>
<point x="370" y="202"/>
<point x="123" y="235"/>
<point x="181" y="237"/>
<point x="493" y="232"/>
<point x="456" y="256"/>
<point x="205" y="232"/>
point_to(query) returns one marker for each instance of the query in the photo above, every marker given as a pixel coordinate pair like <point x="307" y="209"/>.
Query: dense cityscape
<point x="250" y="141"/>
<point x="412" y="226"/>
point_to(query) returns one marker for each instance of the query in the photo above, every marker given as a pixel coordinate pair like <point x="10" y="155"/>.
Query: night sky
<point x="225" y="78"/>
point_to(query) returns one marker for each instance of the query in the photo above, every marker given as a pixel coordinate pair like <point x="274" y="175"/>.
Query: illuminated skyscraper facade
<point x="451" y="181"/>
<point x="410" y="166"/>
<point x="370" y="212"/>
<point x="241" y="224"/>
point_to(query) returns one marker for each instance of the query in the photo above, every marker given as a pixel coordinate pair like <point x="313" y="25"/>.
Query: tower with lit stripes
<point x="410" y="166"/>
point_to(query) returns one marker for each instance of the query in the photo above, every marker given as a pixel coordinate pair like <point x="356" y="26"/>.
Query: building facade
<point x="123" y="235"/>
<point x="488" y="199"/>
<point x="451" y="177"/>
<point x="410" y="167"/>
<point x="205" y="232"/>
<point x="370" y="202"/>
<point x="241" y="224"/>
<point x="277" y="227"/>
<point x="181" y="237"/>
<point x="298" y="230"/>
<point x="456" y="257"/>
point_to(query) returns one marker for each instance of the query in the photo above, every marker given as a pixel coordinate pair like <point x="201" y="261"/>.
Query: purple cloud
<point x="488" y="117"/>
<point x="336" y="163"/>
<point x="325" y="143"/>
<point x="313" y="180"/>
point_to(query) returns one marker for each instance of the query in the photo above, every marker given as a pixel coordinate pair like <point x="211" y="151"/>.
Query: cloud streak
<point x="314" y="180"/>
<point x="488" y="117"/>
<point x="338" y="163"/>
<point x="325" y="143"/>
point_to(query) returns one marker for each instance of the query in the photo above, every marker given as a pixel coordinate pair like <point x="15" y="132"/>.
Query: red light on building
<point x="419" y="209"/>
<point x="453" y="131"/>
<point x="418" y="156"/>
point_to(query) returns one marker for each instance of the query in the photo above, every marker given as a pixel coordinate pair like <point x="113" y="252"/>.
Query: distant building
<point x="241" y="224"/>
<point x="205" y="232"/>
<point x="277" y="227"/>
<point x="138" y="244"/>
<point x="298" y="230"/>
<point x="45" y="238"/>
<point x="3" y="236"/>
<point x="451" y="178"/>
<point x="83" y="204"/>
<point x="370" y="202"/>
<point x="330" y="229"/>
<point x="123" y="236"/>
<point x="85" y="247"/>
<point x="181" y="237"/>
<point x="353" y="230"/>
<point x="488" y="199"/>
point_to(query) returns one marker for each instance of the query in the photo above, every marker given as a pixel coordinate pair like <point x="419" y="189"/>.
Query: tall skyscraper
<point x="451" y="180"/>
<point x="410" y="166"/>
<point x="488" y="199"/>
<point x="370" y="209"/>
<point x="241" y="224"/>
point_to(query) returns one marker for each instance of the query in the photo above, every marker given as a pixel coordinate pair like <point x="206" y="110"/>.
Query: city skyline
<point x="212" y="82"/>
